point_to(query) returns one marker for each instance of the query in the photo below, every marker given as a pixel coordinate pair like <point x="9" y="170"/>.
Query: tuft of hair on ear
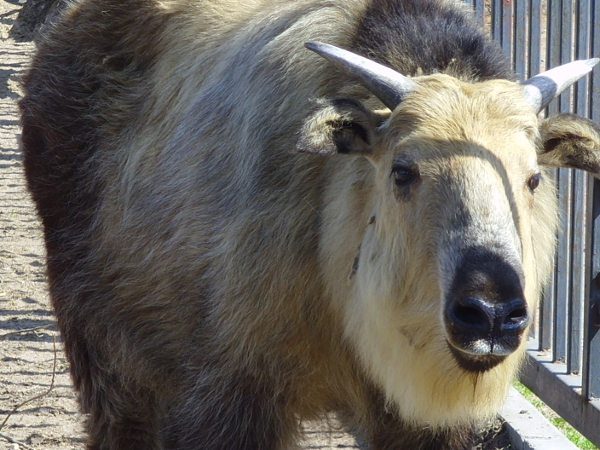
<point x="571" y="141"/>
<point x="338" y="126"/>
<point x="316" y="134"/>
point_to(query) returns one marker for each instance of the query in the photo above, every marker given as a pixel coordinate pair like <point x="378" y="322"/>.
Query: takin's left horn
<point x="543" y="88"/>
<point x="386" y="84"/>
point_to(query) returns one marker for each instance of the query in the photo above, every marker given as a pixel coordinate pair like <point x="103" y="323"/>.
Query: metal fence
<point x="563" y="366"/>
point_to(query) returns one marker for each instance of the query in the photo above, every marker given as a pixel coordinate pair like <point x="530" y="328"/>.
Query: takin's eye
<point x="403" y="176"/>
<point x="534" y="181"/>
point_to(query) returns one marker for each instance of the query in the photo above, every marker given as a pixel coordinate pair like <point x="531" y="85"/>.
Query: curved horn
<point x="386" y="84"/>
<point x="543" y="88"/>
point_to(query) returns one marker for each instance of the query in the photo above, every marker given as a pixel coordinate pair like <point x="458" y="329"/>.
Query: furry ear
<point x="570" y="141"/>
<point x="339" y="126"/>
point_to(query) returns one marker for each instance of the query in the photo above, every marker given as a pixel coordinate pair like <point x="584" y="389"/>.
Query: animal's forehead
<point x="451" y="122"/>
<point x="467" y="156"/>
<point x="446" y="108"/>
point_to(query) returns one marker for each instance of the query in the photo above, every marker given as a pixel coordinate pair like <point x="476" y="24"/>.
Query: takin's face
<point x="457" y="168"/>
<point x="460" y="239"/>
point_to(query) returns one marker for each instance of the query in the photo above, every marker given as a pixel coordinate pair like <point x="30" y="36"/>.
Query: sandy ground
<point x="29" y="363"/>
<point x="37" y="403"/>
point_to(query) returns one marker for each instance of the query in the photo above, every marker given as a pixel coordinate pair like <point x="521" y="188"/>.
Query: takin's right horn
<point x="543" y="88"/>
<point x="386" y="84"/>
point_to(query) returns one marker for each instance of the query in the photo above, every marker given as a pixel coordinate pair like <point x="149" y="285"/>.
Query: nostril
<point x="470" y="313"/>
<point x="515" y="315"/>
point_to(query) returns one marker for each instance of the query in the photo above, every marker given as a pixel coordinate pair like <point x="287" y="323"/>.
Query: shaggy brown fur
<point x="212" y="285"/>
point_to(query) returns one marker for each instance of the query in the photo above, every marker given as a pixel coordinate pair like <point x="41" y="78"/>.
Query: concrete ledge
<point x="561" y="391"/>
<point x="528" y="429"/>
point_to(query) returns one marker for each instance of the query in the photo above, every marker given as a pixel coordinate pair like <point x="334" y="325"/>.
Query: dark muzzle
<point x="485" y="312"/>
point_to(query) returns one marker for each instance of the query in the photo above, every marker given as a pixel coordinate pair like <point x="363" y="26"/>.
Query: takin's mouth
<point x="473" y="362"/>
<point x="481" y="350"/>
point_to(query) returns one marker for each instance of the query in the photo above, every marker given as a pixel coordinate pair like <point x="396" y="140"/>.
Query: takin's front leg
<point x="241" y="413"/>
<point x="121" y="421"/>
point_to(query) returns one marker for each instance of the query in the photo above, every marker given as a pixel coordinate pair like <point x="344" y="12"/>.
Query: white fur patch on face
<point x="480" y="347"/>
<point x="401" y="342"/>
<point x="420" y="376"/>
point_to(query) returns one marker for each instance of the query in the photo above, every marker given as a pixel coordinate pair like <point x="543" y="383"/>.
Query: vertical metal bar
<point x="522" y="31"/>
<point x="508" y="30"/>
<point x="566" y="51"/>
<point x="553" y="39"/>
<point x="480" y="11"/>
<point x="547" y="310"/>
<point x="595" y="76"/>
<point x="497" y="20"/>
<point x="563" y="264"/>
<point x="535" y="38"/>
<point x="591" y="341"/>
<point x="579" y="277"/>
<point x="583" y="49"/>
<point x="478" y="7"/>
<point x="591" y="360"/>
<point x="547" y="313"/>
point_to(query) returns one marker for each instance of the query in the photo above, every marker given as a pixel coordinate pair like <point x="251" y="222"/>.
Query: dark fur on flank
<point x="68" y="115"/>
<point x="190" y="245"/>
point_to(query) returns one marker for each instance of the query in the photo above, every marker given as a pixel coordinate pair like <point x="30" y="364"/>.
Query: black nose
<point x="483" y="318"/>
<point x="485" y="309"/>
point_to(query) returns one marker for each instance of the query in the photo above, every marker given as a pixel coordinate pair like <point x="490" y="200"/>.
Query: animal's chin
<point x="477" y="363"/>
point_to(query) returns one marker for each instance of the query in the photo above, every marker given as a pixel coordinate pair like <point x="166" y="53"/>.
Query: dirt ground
<point x="29" y="363"/>
<point x="37" y="403"/>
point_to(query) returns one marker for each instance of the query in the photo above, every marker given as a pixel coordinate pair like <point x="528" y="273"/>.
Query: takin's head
<point x="460" y="228"/>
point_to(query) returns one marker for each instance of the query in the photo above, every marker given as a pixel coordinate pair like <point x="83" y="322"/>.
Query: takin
<point x="264" y="212"/>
